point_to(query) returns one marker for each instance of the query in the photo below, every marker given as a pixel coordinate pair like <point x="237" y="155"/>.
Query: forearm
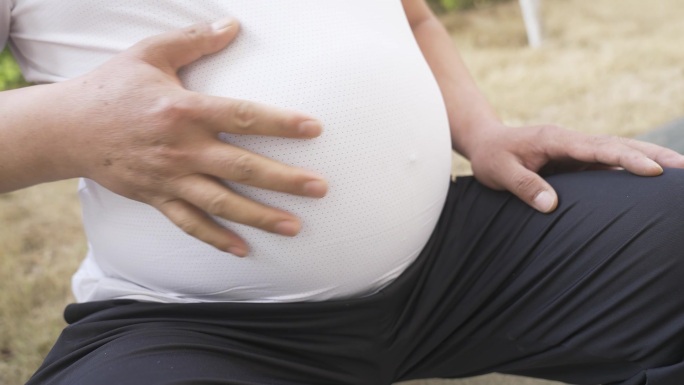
<point x="33" y="138"/>
<point x="469" y="111"/>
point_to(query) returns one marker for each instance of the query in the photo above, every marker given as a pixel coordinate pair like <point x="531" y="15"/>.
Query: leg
<point x="593" y="293"/>
<point x="133" y="343"/>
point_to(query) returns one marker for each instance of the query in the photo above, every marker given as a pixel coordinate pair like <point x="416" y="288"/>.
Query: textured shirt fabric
<point x="385" y="150"/>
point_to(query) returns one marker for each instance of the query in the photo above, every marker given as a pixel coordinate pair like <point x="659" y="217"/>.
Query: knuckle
<point x="603" y="140"/>
<point x="196" y="32"/>
<point x="264" y="220"/>
<point x="189" y="226"/>
<point x="548" y="129"/>
<point x="244" y="115"/>
<point x="525" y="185"/>
<point x="142" y="47"/>
<point x="542" y="136"/>
<point x="222" y="245"/>
<point x="598" y="146"/>
<point x="174" y="109"/>
<point x="629" y="142"/>
<point x="168" y="160"/>
<point x="289" y="122"/>
<point x="191" y="33"/>
<point x="219" y="205"/>
<point x="631" y="157"/>
<point x="164" y="155"/>
<point x="242" y="168"/>
<point x="166" y="108"/>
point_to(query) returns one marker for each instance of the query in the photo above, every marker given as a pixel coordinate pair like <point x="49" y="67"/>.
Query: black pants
<point x="593" y="293"/>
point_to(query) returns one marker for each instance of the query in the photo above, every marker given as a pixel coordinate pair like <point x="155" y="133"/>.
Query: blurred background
<point x="605" y="66"/>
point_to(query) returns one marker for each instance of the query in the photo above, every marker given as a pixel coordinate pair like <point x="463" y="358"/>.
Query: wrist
<point x="61" y="112"/>
<point x="54" y="129"/>
<point x="466" y="138"/>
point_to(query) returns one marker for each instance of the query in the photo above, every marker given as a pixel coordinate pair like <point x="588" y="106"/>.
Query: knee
<point x="660" y="200"/>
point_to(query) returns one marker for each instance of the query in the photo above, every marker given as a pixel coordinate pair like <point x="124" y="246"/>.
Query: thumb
<point x="175" y="49"/>
<point x="531" y="189"/>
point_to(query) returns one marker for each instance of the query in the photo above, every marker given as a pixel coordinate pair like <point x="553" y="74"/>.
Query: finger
<point x="218" y="200"/>
<point x="662" y="155"/>
<point x="529" y="187"/>
<point x="250" y="118"/>
<point x="235" y="164"/>
<point x="614" y="152"/>
<point x="606" y="150"/>
<point x="174" y="49"/>
<point x="198" y="225"/>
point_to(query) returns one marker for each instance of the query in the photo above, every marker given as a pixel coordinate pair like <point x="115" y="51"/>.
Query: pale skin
<point x="130" y="126"/>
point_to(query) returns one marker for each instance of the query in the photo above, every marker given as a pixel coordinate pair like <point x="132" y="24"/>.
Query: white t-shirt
<point x="385" y="151"/>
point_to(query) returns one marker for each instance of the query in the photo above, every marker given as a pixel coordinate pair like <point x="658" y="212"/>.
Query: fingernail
<point x="222" y="24"/>
<point x="657" y="166"/>
<point x="544" y="202"/>
<point x="237" y="251"/>
<point x="288" y="228"/>
<point x="310" y="128"/>
<point x="315" y="188"/>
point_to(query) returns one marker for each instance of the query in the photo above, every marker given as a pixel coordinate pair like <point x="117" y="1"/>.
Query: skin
<point x="148" y="139"/>
<point x="506" y="158"/>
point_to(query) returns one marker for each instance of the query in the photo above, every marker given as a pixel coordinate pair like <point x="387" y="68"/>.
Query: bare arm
<point x="130" y="126"/>
<point x="509" y="158"/>
<point x="467" y="107"/>
<point x="32" y="136"/>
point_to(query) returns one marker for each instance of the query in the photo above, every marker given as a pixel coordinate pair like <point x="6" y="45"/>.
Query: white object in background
<point x="530" y="11"/>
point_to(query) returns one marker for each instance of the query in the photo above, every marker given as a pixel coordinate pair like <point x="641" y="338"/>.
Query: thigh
<point x="132" y="343"/>
<point x="589" y="294"/>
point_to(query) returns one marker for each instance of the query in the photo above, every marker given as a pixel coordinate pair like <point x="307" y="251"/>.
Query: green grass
<point x="10" y="74"/>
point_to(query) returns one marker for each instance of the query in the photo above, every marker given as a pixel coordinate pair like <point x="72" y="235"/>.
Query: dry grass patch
<point x="607" y="66"/>
<point x="41" y="243"/>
